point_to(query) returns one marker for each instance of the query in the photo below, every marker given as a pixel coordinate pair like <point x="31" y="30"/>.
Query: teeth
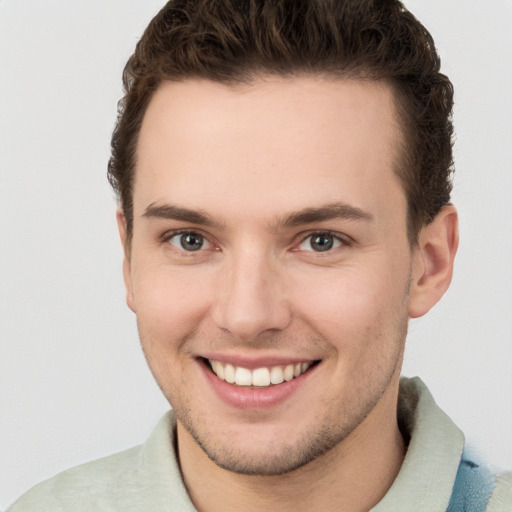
<point x="220" y="370"/>
<point x="276" y="375"/>
<point x="260" y="377"/>
<point x="243" y="377"/>
<point x="288" y="372"/>
<point x="229" y="373"/>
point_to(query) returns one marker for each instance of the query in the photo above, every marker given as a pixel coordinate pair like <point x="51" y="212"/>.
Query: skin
<point x="248" y="159"/>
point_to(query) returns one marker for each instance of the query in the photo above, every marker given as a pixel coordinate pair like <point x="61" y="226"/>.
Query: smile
<point x="259" y="377"/>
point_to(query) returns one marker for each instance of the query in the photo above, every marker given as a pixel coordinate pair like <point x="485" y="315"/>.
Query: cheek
<point x="353" y="308"/>
<point x="170" y="308"/>
<point x="170" y="304"/>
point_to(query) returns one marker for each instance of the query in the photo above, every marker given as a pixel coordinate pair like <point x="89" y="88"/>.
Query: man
<point x="283" y="170"/>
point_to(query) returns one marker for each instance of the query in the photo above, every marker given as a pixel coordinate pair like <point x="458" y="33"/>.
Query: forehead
<point x="303" y="138"/>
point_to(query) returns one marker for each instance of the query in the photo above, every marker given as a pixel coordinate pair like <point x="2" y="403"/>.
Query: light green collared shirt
<point x="147" y="477"/>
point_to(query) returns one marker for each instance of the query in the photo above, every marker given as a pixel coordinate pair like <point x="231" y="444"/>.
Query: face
<point x="270" y="267"/>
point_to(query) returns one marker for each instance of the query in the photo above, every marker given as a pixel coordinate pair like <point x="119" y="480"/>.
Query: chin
<point x="275" y="459"/>
<point x="259" y="450"/>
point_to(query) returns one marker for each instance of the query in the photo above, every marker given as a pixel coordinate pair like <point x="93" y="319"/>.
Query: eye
<point x="189" y="241"/>
<point x="321" y="242"/>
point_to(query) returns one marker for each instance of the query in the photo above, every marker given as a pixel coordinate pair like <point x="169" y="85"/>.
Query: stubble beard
<point x="316" y="441"/>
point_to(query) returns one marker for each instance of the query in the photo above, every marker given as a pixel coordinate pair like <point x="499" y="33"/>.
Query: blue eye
<point x="189" y="242"/>
<point x="320" y="242"/>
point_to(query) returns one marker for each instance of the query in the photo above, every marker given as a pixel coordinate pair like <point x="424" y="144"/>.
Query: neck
<point x="354" y="476"/>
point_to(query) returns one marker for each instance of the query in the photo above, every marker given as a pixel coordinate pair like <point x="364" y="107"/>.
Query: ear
<point x="433" y="261"/>
<point x="127" y="271"/>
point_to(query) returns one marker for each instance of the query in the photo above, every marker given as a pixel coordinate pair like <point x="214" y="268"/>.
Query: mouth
<point x="263" y="377"/>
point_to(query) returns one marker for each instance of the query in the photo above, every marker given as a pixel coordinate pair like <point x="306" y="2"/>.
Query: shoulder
<point x="439" y="472"/>
<point x="501" y="497"/>
<point x="146" y="477"/>
<point x="88" y="486"/>
<point x="478" y="488"/>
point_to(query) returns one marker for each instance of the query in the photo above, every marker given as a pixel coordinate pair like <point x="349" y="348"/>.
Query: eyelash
<point x="341" y="241"/>
<point x="337" y="238"/>
<point x="167" y="237"/>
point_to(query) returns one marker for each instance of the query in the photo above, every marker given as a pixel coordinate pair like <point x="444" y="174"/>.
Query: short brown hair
<point x="234" y="41"/>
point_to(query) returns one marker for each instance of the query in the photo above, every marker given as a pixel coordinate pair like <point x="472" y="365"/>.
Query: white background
<point x="74" y="385"/>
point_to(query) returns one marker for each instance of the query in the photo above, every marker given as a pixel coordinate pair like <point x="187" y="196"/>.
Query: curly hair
<point x="236" y="41"/>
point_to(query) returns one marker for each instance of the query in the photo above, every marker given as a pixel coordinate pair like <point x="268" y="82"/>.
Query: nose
<point x="251" y="298"/>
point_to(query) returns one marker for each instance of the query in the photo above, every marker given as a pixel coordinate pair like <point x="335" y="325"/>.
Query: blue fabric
<point x="472" y="489"/>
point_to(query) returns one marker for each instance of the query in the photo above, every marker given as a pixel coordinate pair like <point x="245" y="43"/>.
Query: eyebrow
<point x="332" y="211"/>
<point x="171" y="212"/>
<point x="311" y="215"/>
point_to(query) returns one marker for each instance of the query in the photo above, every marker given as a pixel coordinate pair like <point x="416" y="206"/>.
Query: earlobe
<point x="121" y="225"/>
<point x="433" y="261"/>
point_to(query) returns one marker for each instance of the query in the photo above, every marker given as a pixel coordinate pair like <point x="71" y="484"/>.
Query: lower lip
<point x="253" y="397"/>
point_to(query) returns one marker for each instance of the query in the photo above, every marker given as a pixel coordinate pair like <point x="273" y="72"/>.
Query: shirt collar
<point x="427" y="475"/>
